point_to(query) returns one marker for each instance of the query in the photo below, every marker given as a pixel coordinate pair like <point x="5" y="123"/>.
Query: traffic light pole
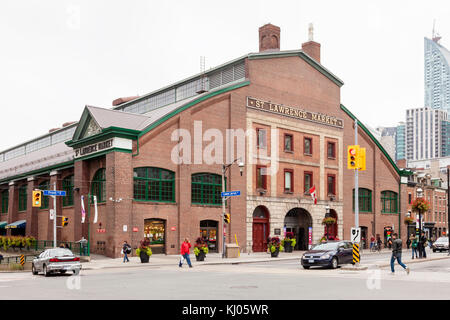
<point x="54" y="217"/>
<point x="356" y="187"/>
<point x="223" y="211"/>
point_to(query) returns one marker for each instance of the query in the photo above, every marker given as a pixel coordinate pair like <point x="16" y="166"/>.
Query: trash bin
<point x="232" y="250"/>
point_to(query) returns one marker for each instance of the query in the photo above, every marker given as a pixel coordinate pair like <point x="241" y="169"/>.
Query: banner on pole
<point x="95" y="209"/>
<point x="83" y="212"/>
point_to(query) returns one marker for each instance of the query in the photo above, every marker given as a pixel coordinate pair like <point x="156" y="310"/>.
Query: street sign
<point x="52" y="214"/>
<point x="58" y="193"/>
<point x="231" y="193"/>
<point x="356" y="235"/>
<point x="356" y="256"/>
<point x="22" y="260"/>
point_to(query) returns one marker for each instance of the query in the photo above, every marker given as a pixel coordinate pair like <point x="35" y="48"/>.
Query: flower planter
<point x="144" y="257"/>
<point x="275" y="253"/>
<point x="201" y="256"/>
<point x="287" y="246"/>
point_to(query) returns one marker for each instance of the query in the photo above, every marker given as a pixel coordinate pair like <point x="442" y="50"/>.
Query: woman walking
<point x="185" y="251"/>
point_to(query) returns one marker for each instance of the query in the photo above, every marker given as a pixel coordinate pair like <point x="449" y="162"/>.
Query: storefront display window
<point x="154" y="230"/>
<point x="208" y="232"/>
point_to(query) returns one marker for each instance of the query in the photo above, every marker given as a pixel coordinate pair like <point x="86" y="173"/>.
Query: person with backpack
<point x="126" y="250"/>
<point x="397" y="254"/>
<point x="414" y="246"/>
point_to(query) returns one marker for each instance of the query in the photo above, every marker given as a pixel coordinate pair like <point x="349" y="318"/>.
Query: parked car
<point x="56" y="260"/>
<point x="328" y="254"/>
<point x="440" y="244"/>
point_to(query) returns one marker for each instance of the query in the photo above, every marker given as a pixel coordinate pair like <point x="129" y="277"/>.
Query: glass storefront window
<point x="154" y="230"/>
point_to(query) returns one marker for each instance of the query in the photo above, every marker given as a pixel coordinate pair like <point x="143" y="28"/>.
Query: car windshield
<point x="442" y="239"/>
<point x="60" y="252"/>
<point x="326" y="246"/>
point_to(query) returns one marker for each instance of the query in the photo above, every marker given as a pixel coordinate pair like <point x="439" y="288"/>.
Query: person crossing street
<point x="185" y="251"/>
<point x="397" y="254"/>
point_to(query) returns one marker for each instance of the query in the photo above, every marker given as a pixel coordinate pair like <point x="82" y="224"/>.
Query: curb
<point x="413" y="261"/>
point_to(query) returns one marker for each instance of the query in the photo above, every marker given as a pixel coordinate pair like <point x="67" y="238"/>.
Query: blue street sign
<point x="231" y="193"/>
<point x="54" y="193"/>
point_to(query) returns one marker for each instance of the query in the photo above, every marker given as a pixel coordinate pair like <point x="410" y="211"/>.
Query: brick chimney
<point x="311" y="48"/>
<point x="269" y="38"/>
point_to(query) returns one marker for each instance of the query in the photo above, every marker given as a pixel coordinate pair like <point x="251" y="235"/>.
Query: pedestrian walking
<point x="372" y="242"/>
<point x="379" y="242"/>
<point x="414" y="244"/>
<point x="397" y="253"/>
<point x="422" y="246"/>
<point x="408" y="243"/>
<point x="185" y="251"/>
<point x="126" y="249"/>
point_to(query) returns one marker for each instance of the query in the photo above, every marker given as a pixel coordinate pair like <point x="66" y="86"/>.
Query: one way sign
<point x="356" y="235"/>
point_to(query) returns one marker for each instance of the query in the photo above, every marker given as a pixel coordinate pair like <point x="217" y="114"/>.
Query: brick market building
<point x="154" y="162"/>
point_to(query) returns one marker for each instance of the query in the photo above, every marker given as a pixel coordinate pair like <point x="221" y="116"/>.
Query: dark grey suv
<point x="328" y="254"/>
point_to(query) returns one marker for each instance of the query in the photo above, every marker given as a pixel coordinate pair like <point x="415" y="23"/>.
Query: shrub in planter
<point x="289" y="242"/>
<point x="144" y="252"/>
<point x="200" y="249"/>
<point x="274" y="245"/>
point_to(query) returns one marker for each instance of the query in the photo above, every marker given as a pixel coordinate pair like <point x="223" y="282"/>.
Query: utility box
<point x="232" y="250"/>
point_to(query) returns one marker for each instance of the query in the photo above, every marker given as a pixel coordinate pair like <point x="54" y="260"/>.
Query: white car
<point x="56" y="260"/>
<point x="441" y="244"/>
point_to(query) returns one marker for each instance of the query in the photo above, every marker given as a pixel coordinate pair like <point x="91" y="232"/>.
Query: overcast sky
<point x="58" y="56"/>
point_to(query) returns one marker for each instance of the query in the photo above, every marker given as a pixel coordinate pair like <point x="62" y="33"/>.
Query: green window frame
<point x="364" y="200"/>
<point x="206" y="188"/>
<point x="45" y="199"/>
<point x="5" y="201"/>
<point x="389" y="201"/>
<point x="23" y="197"/>
<point x="67" y="186"/>
<point x="153" y="184"/>
<point x="98" y="185"/>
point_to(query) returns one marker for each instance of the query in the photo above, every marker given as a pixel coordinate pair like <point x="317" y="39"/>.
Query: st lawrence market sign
<point x="94" y="148"/>
<point x="294" y="112"/>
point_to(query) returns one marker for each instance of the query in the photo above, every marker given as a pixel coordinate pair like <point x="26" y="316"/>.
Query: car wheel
<point x="46" y="272"/>
<point x="434" y="250"/>
<point x="334" y="263"/>
<point x="33" y="270"/>
<point x="305" y="267"/>
<point x="63" y="271"/>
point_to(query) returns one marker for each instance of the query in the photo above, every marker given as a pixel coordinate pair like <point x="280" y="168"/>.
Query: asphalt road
<point x="255" y="281"/>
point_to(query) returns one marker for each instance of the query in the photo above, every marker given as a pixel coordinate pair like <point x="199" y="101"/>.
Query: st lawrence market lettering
<point x="294" y="112"/>
<point x="93" y="148"/>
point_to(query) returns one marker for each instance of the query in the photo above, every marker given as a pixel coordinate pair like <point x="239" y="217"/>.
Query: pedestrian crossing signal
<point x="37" y="197"/>
<point x="227" y="218"/>
<point x="64" y="221"/>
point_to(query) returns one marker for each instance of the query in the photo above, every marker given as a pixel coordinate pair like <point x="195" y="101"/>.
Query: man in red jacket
<point x="185" y="248"/>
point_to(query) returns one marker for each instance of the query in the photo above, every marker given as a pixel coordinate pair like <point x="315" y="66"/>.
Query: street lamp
<point x="420" y="195"/>
<point x="224" y="171"/>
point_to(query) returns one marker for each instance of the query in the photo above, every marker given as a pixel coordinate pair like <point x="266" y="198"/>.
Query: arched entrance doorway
<point x="155" y="231"/>
<point x="298" y="221"/>
<point x="260" y="229"/>
<point x="332" y="229"/>
<point x="208" y="232"/>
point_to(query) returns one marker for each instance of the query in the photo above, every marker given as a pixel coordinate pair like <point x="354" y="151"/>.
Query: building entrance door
<point x="155" y="231"/>
<point x="260" y="229"/>
<point x="208" y="233"/>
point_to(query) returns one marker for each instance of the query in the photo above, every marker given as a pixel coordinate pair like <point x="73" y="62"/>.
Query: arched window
<point x="98" y="185"/>
<point x="364" y="200"/>
<point x="67" y="186"/>
<point x="154" y="184"/>
<point x="206" y="188"/>
<point x="5" y="200"/>
<point x="23" y="197"/>
<point x="45" y="199"/>
<point x="389" y="202"/>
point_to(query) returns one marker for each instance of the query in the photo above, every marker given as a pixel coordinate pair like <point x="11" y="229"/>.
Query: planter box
<point x="275" y="253"/>
<point x="201" y="256"/>
<point x="287" y="246"/>
<point x="144" y="257"/>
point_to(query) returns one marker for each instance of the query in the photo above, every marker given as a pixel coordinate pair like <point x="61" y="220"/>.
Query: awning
<point x="3" y="224"/>
<point x="17" y="224"/>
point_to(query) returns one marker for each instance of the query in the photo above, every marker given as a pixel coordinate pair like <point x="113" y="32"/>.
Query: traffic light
<point x="227" y="218"/>
<point x="37" y="197"/>
<point x="352" y="157"/>
<point x="64" y="221"/>
<point x="356" y="158"/>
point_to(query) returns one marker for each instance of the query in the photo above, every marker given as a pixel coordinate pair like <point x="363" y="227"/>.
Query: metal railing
<point x="16" y="259"/>
<point x="41" y="245"/>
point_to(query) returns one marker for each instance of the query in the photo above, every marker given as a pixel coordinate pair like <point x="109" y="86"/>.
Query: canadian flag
<point x="312" y="191"/>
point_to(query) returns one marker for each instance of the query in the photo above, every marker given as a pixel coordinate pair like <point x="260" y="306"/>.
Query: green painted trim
<point x="375" y="140"/>
<point x="210" y="95"/>
<point x="60" y="166"/>
<point x="99" y="154"/>
<point x="154" y="201"/>
<point x="305" y="57"/>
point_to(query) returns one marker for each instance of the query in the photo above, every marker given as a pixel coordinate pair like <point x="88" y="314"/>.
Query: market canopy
<point x="17" y="224"/>
<point x="3" y="224"/>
